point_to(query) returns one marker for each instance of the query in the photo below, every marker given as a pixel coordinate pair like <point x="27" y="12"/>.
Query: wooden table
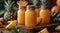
<point x="23" y="29"/>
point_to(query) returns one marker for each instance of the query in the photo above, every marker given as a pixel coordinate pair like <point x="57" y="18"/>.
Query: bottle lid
<point x="22" y="7"/>
<point x="31" y="7"/>
<point x="37" y="6"/>
<point x="43" y="7"/>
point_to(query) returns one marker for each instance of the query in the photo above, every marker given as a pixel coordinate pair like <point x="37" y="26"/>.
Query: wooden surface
<point x="50" y="27"/>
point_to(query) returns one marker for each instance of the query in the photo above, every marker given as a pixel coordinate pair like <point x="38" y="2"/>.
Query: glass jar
<point x="21" y="15"/>
<point x="37" y="10"/>
<point x="44" y="15"/>
<point x="30" y="17"/>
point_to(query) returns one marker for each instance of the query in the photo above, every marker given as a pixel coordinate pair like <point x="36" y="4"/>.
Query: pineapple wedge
<point x="22" y="3"/>
<point x="12" y="21"/>
<point x="38" y="20"/>
<point x="44" y="31"/>
<point x="11" y="24"/>
<point x="57" y="28"/>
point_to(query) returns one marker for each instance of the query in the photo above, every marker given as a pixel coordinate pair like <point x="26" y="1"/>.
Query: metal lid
<point x="31" y="7"/>
<point x="22" y="7"/>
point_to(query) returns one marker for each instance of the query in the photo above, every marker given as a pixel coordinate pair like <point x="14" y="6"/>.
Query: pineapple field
<point x="29" y="16"/>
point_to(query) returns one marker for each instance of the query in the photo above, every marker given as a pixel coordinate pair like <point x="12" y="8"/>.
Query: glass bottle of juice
<point x="21" y="12"/>
<point x="21" y="15"/>
<point x="44" y="13"/>
<point x="37" y="10"/>
<point x="30" y="17"/>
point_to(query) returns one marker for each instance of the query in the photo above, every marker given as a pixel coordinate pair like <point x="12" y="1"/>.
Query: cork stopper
<point x="22" y="7"/>
<point x="31" y="7"/>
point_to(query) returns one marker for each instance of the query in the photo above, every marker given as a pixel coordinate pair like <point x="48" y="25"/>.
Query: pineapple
<point x="55" y="16"/>
<point x="10" y="13"/>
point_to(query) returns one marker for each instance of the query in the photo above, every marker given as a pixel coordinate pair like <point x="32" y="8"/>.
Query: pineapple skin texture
<point x="9" y="16"/>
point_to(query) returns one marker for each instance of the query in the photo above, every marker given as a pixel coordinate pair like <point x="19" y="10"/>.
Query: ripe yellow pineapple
<point x="10" y="13"/>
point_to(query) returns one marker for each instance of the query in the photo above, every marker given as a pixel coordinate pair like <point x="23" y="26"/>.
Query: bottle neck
<point x="22" y="8"/>
<point x="31" y="9"/>
<point x="44" y="7"/>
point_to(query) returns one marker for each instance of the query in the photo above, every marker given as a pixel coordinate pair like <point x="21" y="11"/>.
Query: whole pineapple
<point x="10" y="13"/>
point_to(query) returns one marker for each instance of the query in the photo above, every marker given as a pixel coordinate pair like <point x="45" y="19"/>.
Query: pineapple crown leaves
<point x="9" y="5"/>
<point x="35" y="2"/>
<point x="14" y="30"/>
<point x="44" y="2"/>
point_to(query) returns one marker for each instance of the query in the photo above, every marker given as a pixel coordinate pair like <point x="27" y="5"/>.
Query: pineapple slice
<point x="44" y="31"/>
<point x="58" y="28"/>
<point x="22" y="3"/>
<point x="11" y="24"/>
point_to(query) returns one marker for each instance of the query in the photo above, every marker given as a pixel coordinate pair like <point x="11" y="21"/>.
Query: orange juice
<point x="37" y="10"/>
<point x="21" y="15"/>
<point x="30" y="17"/>
<point x="44" y="15"/>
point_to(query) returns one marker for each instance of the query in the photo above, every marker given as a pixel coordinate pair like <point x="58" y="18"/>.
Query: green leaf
<point x="9" y="1"/>
<point x="14" y="30"/>
<point x="2" y="12"/>
<point x="35" y="2"/>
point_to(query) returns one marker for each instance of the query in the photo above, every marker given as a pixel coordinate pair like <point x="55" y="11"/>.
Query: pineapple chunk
<point x="11" y="24"/>
<point x="58" y="28"/>
<point x="22" y="3"/>
<point x="12" y="21"/>
<point x="44" y="31"/>
<point x="38" y="20"/>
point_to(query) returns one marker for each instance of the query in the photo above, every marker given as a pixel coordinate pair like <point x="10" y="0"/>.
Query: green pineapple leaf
<point x="35" y="2"/>
<point x="14" y="30"/>
<point x="9" y="5"/>
<point x="9" y="2"/>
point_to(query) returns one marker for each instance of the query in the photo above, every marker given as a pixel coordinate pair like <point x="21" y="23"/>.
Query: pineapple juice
<point x="30" y="17"/>
<point x="21" y="15"/>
